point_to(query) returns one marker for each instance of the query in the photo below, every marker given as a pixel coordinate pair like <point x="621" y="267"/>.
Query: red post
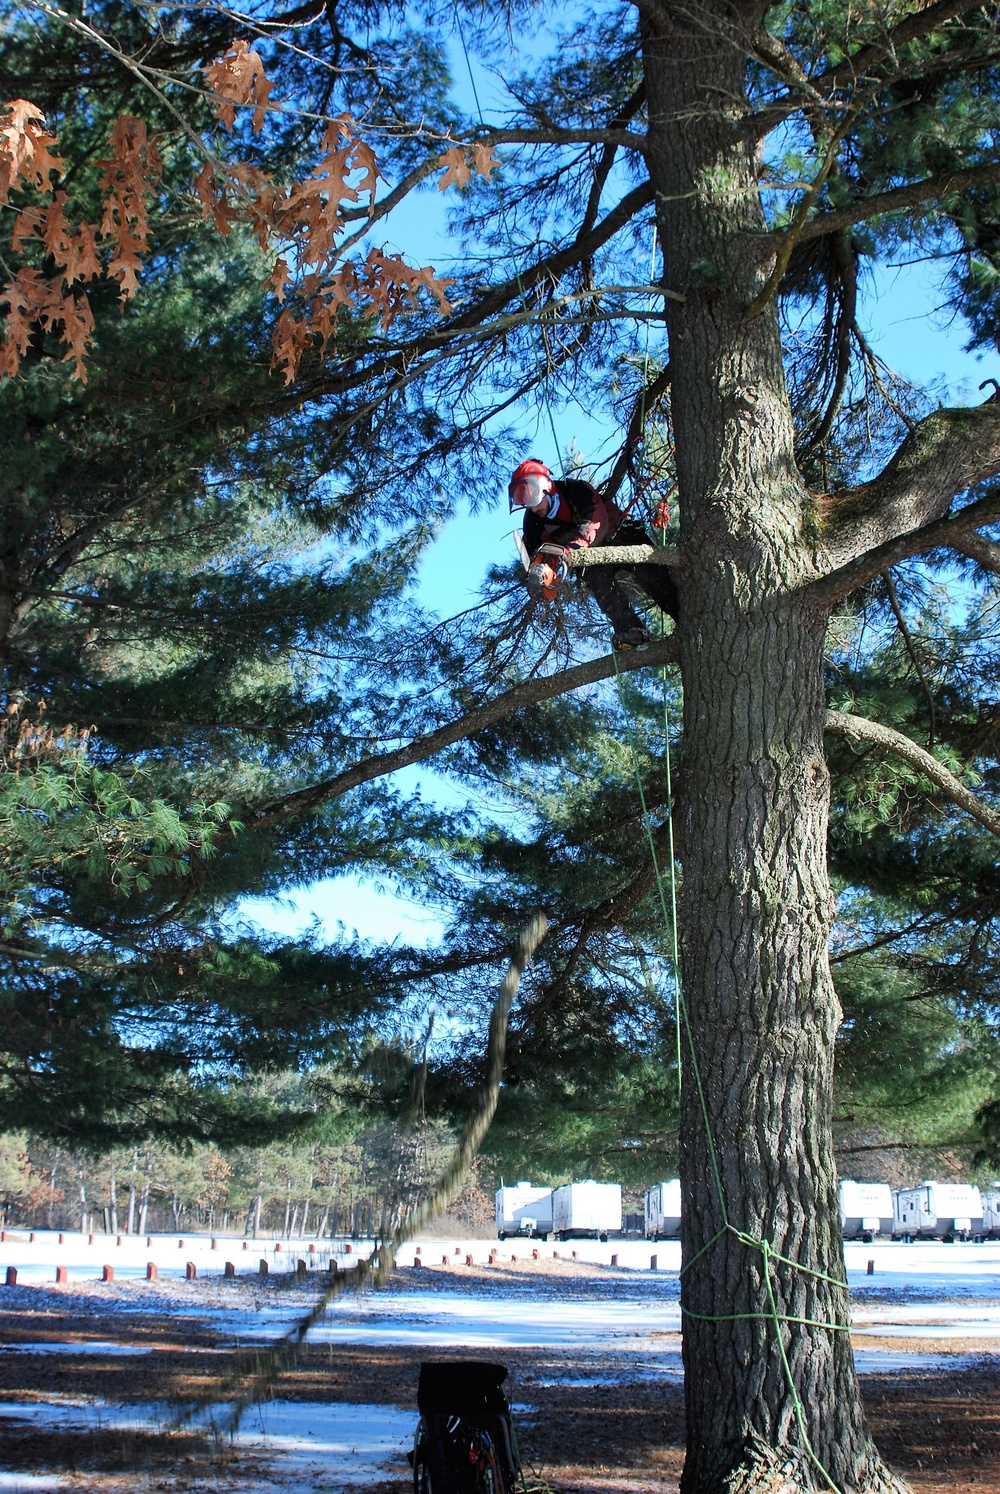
<point x="445" y="1260"/>
<point x="108" y="1273"/>
<point x="246" y="1244"/>
<point x="3" y="1237"/>
<point x="90" y="1239"/>
<point x="871" y="1268"/>
<point x="190" y="1271"/>
<point x="652" y="1262"/>
<point x="151" y="1272"/>
<point x="12" y="1276"/>
<point x="417" y="1263"/>
<point x="469" y="1260"/>
<point x="229" y="1269"/>
<point x="418" y="1251"/>
<point x="62" y="1275"/>
<point x="31" y="1238"/>
<point x="614" y="1260"/>
<point x="535" y="1255"/>
<point x="149" y="1242"/>
<point x="574" y="1255"/>
<point x="215" y="1243"/>
<point x="62" y="1239"/>
<point x="277" y="1245"/>
<point x="262" y="1269"/>
<point x="513" y="1260"/>
<point x="348" y="1249"/>
<point x="180" y="1244"/>
<point x="119" y="1239"/>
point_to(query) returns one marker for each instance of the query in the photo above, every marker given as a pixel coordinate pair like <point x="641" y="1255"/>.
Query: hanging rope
<point x="255" y="1374"/>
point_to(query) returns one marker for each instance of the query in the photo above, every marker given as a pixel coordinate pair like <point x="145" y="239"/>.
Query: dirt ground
<point x="940" y="1429"/>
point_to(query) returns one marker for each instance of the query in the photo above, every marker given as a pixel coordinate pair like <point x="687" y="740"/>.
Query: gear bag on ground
<point x="464" y="1442"/>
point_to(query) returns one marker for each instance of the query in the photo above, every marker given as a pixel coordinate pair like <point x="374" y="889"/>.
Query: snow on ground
<point x="305" y="1443"/>
<point x="620" y="1323"/>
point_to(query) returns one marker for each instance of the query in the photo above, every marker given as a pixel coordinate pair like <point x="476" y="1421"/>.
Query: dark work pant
<point x="655" y="580"/>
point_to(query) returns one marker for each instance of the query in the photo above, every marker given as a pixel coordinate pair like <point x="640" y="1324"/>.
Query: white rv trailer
<point x="587" y="1210"/>
<point x="865" y="1210"/>
<point x="663" y="1210"/>
<point x="991" y="1211"/>
<point x="524" y="1210"/>
<point x="938" y="1211"/>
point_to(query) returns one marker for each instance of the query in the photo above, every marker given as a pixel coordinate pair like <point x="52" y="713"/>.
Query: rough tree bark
<point x="756" y="904"/>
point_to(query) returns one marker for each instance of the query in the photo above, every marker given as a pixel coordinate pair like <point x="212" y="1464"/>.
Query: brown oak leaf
<point x="458" y="172"/>
<point x="485" y="160"/>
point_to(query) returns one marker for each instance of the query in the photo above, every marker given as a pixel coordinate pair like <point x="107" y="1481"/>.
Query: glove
<point x="547" y="571"/>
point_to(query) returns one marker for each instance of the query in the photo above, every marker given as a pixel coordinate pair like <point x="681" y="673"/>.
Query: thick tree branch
<point x="919" y="23"/>
<point x="946" y="184"/>
<point x="624" y="555"/>
<point x="978" y="547"/>
<point x="810" y="92"/>
<point x="943" y="455"/>
<point x="950" y="530"/>
<point x="664" y="651"/>
<point x="859" y="728"/>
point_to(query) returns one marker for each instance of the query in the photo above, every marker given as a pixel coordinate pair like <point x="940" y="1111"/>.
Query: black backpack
<point x="465" y="1441"/>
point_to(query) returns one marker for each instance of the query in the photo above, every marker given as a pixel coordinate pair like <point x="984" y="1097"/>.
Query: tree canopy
<point x="208" y="571"/>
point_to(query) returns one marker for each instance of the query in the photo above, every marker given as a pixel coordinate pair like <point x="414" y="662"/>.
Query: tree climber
<point x="571" y="515"/>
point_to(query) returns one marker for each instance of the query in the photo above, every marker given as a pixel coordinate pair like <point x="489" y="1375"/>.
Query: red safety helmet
<point x="529" y="484"/>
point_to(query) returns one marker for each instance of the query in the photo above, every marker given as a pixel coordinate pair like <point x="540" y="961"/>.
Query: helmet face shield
<point x="528" y="490"/>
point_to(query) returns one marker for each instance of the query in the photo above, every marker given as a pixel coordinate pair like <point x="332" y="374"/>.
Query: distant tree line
<point x="361" y="1187"/>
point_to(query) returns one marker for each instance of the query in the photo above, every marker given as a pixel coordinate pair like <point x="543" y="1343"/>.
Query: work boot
<point x="626" y="638"/>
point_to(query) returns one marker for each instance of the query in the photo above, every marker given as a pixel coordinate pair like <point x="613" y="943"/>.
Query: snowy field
<point x="925" y="1306"/>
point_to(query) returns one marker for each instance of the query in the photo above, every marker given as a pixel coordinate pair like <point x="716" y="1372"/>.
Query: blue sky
<point x="904" y="325"/>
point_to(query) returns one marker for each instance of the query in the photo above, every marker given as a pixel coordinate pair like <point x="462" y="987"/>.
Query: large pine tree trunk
<point x="756" y="903"/>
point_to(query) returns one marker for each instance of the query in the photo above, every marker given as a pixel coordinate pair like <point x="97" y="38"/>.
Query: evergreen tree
<point x="779" y="151"/>
<point x="183" y="625"/>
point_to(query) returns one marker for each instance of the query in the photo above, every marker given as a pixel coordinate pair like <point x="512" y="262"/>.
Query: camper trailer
<point x="865" y="1210"/>
<point x="938" y="1211"/>
<point x="991" y="1211"/>
<point x="587" y="1210"/>
<point x="524" y="1210"/>
<point x="663" y="1210"/>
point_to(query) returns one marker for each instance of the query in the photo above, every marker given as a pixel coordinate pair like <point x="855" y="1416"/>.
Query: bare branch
<point x="842" y="724"/>
<point x="553" y="135"/>
<point x="624" y="555"/>
<point x="951" y="530"/>
<point x="646" y="401"/>
<point x="663" y="651"/>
